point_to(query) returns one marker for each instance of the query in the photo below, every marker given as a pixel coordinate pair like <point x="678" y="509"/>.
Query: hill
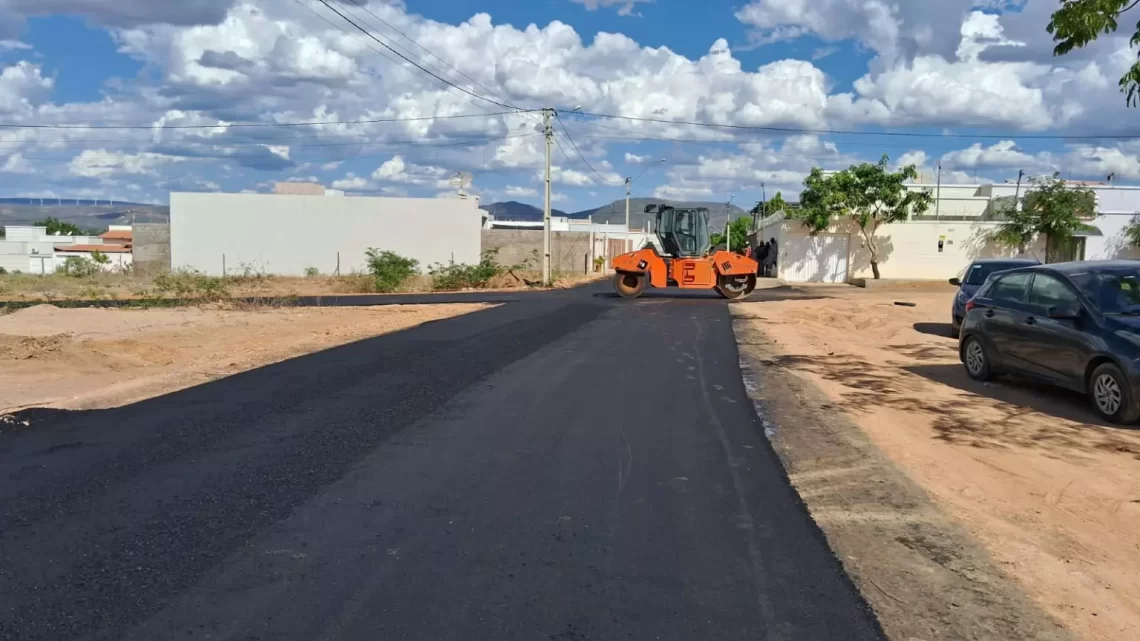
<point x="90" y="217"/>
<point x="615" y="211"/>
<point x="514" y="210"/>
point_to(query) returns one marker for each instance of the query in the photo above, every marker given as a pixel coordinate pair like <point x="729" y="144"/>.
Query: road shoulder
<point x="922" y="574"/>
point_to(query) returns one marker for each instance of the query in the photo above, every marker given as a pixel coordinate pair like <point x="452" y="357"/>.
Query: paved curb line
<point x="920" y="571"/>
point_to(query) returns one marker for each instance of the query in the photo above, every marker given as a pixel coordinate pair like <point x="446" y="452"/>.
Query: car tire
<point x="1111" y="395"/>
<point x="977" y="360"/>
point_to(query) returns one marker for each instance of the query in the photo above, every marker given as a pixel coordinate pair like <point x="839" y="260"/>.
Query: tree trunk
<point x="872" y="249"/>
<point x="875" y="268"/>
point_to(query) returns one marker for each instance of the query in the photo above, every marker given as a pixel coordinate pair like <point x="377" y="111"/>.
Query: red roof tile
<point x="106" y="249"/>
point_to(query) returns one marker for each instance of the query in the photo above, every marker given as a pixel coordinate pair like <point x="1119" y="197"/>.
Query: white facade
<point x="285" y="234"/>
<point x="30" y="250"/>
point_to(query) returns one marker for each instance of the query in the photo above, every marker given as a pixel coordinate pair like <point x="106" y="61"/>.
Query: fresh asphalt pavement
<point x="564" y="466"/>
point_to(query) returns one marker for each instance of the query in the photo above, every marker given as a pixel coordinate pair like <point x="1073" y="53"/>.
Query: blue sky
<point x="970" y="84"/>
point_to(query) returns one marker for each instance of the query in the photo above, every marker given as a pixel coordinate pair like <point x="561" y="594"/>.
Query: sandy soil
<point x="1049" y="490"/>
<point x="55" y="287"/>
<point x="98" y="358"/>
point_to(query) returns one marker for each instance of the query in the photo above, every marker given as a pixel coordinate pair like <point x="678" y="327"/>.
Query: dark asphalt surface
<point x="566" y="466"/>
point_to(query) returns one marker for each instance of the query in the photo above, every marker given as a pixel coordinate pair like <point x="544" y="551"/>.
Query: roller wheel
<point x="736" y="287"/>
<point x="629" y="285"/>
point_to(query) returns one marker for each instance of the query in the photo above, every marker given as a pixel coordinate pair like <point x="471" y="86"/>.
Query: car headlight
<point x="962" y="297"/>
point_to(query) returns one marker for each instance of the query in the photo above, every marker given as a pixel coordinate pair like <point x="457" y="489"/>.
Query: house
<point x="30" y="249"/>
<point x="940" y="243"/>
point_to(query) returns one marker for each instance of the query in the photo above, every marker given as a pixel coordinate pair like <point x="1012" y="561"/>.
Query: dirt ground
<point x="99" y="358"/>
<point x="1050" y="491"/>
<point x="109" y="286"/>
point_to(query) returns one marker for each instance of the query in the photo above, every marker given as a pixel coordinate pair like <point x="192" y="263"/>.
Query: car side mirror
<point x="1065" y="312"/>
<point x="957" y="282"/>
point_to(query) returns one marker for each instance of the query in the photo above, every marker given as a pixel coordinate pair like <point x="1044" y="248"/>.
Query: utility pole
<point x="628" y="240"/>
<point x="938" y="193"/>
<point x="1017" y="191"/>
<point x="728" y="224"/>
<point x="548" y="125"/>
<point x="592" y="250"/>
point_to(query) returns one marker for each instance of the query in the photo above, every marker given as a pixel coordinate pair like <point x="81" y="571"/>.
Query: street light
<point x="628" y="186"/>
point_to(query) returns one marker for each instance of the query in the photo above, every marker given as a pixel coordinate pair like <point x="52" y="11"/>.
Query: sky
<point x="133" y="99"/>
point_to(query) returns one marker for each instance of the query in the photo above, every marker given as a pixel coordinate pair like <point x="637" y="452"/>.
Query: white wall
<point x="287" y="234"/>
<point x="118" y="261"/>
<point x="906" y="250"/>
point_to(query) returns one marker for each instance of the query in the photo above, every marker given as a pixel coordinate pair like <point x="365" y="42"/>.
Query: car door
<point x="1006" y="302"/>
<point x="1055" y="349"/>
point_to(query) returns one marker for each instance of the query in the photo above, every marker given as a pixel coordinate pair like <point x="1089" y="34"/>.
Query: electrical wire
<point x="262" y="124"/>
<point x="414" y="63"/>
<point x="901" y="134"/>
<point x="403" y="35"/>
<point x="579" y="151"/>
<point x="382" y="53"/>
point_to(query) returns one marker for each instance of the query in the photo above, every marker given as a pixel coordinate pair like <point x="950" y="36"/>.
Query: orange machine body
<point x="685" y="273"/>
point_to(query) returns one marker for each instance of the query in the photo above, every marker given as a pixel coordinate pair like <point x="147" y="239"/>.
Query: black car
<point x="1076" y="325"/>
<point x="972" y="279"/>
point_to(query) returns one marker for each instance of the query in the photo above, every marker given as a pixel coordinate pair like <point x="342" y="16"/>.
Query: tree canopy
<point x="738" y="232"/>
<point x="1079" y="22"/>
<point x="770" y="207"/>
<point x="1051" y="209"/>
<point x="868" y="194"/>
<point x="64" y="228"/>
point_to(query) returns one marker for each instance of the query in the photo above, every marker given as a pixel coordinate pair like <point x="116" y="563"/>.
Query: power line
<point x="902" y="134"/>
<point x="579" y="151"/>
<point x="371" y="46"/>
<point x="284" y="143"/>
<point x="425" y="49"/>
<point x="414" y="63"/>
<point x="263" y="124"/>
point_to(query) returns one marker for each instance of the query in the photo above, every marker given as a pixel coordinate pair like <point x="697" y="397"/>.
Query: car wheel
<point x="1111" y="395"/>
<point x="977" y="360"/>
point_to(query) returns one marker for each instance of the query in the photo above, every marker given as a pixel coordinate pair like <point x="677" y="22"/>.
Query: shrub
<point x="312" y="272"/>
<point x="190" y="283"/>
<point x="390" y="270"/>
<point x="99" y="258"/>
<point x="455" y="276"/>
<point x="78" y="267"/>
<point x="3" y="271"/>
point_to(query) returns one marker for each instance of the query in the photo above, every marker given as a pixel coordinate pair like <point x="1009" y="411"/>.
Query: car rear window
<point x="1012" y="288"/>
<point x="979" y="272"/>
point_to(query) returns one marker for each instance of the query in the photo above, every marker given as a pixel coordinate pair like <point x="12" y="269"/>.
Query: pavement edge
<point x="923" y="575"/>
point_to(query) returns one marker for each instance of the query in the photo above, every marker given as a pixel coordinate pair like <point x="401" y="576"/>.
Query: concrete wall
<point x="151" y="248"/>
<point x="287" y="234"/>
<point x="906" y="250"/>
<point x="568" y="250"/>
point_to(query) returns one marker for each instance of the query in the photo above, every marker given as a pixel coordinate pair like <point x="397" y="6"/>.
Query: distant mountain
<point x="615" y="211"/>
<point x="514" y="210"/>
<point x="90" y="217"/>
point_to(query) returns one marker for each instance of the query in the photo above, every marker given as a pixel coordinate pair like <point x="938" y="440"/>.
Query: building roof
<point x="106" y="249"/>
<point x="117" y="234"/>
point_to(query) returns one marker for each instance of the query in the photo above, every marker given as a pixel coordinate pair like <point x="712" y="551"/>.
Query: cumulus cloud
<point x="122" y="13"/>
<point x="625" y="7"/>
<point x="634" y="159"/>
<point x="513" y="191"/>
<point x="23" y="87"/>
<point x="100" y="163"/>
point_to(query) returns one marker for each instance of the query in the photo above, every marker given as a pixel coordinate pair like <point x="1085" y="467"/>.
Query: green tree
<point x="1132" y="231"/>
<point x="389" y="269"/>
<point x="770" y="207"/>
<point x="1079" y="22"/>
<point x="55" y="225"/>
<point x="1051" y="210"/>
<point x="867" y="194"/>
<point x="738" y="231"/>
<point x="99" y="258"/>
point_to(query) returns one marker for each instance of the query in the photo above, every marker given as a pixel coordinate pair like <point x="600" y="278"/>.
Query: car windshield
<point x="979" y="272"/>
<point x="1113" y="292"/>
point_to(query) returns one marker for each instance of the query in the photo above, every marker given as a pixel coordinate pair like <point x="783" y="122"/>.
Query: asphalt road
<point x="565" y="466"/>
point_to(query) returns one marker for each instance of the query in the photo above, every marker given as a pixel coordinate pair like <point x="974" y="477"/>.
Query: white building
<point x="287" y="234"/>
<point x="940" y="243"/>
<point x="31" y="250"/>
